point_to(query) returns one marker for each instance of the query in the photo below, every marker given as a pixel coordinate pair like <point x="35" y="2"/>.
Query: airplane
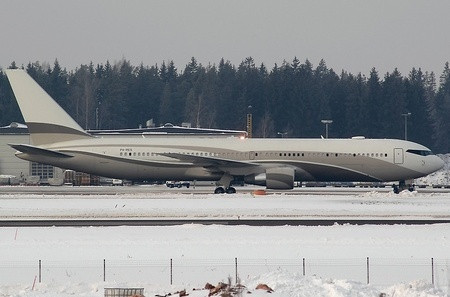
<point x="56" y="139"/>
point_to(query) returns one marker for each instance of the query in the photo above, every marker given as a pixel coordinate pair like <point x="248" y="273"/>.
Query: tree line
<point x="290" y="99"/>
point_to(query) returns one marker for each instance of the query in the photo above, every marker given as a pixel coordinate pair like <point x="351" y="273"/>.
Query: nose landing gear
<point x="402" y="185"/>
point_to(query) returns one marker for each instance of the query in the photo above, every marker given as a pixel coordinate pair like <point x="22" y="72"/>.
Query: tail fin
<point x="47" y="122"/>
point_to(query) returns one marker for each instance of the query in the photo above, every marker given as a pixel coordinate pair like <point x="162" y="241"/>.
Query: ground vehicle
<point x="117" y="182"/>
<point x="177" y="184"/>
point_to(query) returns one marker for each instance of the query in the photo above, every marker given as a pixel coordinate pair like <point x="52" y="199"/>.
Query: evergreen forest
<point x="289" y="99"/>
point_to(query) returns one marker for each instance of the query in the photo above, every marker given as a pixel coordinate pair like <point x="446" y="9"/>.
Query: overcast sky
<point x="354" y="35"/>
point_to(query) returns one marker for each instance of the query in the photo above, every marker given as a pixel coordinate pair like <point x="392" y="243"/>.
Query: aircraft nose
<point x="437" y="164"/>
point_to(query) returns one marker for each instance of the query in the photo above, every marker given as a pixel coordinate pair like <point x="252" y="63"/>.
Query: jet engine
<point x="279" y="178"/>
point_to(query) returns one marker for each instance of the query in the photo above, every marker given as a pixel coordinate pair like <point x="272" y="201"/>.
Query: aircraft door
<point x="398" y="156"/>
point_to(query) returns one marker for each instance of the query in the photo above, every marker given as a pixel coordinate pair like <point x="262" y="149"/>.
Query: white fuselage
<point x="146" y="157"/>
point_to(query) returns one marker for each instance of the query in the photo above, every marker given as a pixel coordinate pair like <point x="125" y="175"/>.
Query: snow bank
<point x="287" y="284"/>
<point x="284" y="284"/>
<point x="441" y="177"/>
<point x="417" y="288"/>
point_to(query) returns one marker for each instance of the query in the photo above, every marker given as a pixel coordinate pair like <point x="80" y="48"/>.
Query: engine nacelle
<point x="281" y="178"/>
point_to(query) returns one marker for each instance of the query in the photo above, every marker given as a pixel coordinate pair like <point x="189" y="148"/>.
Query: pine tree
<point x="58" y="86"/>
<point x="442" y="102"/>
<point x="227" y="95"/>
<point x="353" y="96"/>
<point x="373" y="106"/>
<point x="416" y="102"/>
<point x="430" y="101"/>
<point x="82" y="96"/>
<point x="166" y="106"/>
<point x="393" y="105"/>
<point x="9" y="109"/>
<point x="13" y="65"/>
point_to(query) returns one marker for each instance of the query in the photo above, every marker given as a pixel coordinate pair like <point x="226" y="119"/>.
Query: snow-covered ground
<point x="169" y="205"/>
<point x="335" y="257"/>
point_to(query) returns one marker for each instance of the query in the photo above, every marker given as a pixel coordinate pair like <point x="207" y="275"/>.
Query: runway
<point x="161" y="206"/>
<point x="245" y="222"/>
<point x="145" y="189"/>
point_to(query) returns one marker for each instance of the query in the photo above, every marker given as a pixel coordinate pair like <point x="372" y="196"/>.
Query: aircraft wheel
<point x="231" y="190"/>
<point x="396" y="189"/>
<point x="400" y="187"/>
<point x="219" y="190"/>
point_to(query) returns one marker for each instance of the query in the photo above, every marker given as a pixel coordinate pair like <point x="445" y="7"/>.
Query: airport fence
<point x="375" y="271"/>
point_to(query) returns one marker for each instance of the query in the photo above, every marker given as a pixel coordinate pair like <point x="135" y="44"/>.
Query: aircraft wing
<point x="206" y="161"/>
<point x="34" y="150"/>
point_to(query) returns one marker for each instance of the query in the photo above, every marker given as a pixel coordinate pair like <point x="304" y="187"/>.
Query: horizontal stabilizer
<point x="34" y="150"/>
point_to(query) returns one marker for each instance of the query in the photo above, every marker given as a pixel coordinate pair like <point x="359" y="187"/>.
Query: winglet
<point x="47" y="122"/>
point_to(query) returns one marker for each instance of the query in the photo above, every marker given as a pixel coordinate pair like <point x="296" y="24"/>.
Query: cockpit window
<point x="420" y="152"/>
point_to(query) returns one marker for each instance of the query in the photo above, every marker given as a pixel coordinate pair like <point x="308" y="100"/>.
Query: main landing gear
<point x="402" y="185"/>
<point x="225" y="180"/>
<point x="221" y="190"/>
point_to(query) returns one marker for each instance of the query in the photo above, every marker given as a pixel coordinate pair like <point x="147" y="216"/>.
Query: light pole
<point x="249" y="122"/>
<point x="406" y="115"/>
<point x="326" y="122"/>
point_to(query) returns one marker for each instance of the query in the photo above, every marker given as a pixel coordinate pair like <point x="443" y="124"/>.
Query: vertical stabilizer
<point x="47" y="122"/>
